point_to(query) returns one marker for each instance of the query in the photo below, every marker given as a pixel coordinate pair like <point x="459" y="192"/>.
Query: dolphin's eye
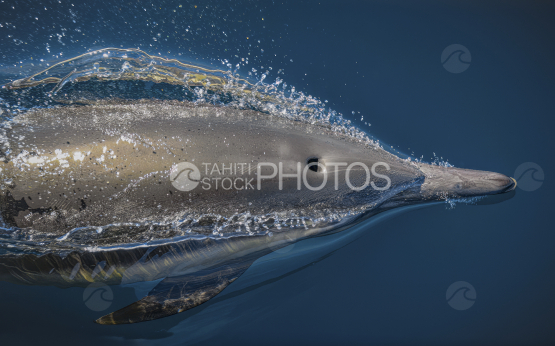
<point x="313" y="161"/>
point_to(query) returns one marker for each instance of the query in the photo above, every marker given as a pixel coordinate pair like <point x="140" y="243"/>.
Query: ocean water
<point x="480" y="274"/>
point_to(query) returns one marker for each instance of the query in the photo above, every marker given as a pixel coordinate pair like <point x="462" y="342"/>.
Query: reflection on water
<point x="201" y="323"/>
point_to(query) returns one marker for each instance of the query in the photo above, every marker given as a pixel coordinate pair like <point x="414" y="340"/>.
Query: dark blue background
<point x="382" y="59"/>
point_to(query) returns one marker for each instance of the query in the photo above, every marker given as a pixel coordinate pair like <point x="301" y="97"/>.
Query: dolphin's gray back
<point x="96" y="165"/>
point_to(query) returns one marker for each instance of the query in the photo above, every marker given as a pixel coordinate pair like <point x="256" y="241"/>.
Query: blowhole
<point x="314" y="162"/>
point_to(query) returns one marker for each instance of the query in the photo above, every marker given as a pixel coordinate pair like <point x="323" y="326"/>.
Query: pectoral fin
<point x="177" y="294"/>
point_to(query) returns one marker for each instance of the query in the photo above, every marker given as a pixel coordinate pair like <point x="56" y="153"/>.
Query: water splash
<point x="176" y="228"/>
<point x="132" y="73"/>
<point x="114" y="73"/>
<point x="451" y="203"/>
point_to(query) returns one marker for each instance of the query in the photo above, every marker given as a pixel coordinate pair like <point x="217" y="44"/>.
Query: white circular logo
<point x="98" y="296"/>
<point x="184" y="176"/>
<point x="456" y="58"/>
<point x="461" y="295"/>
<point x="529" y="176"/>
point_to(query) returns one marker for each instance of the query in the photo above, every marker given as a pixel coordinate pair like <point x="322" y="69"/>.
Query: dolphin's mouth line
<point x="508" y="188"/>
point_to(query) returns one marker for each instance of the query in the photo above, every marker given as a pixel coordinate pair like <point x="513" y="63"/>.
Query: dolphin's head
<point x="335" y="172"/>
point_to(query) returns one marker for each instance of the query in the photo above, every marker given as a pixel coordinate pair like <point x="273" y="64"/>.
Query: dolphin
<point x="122" y="191"/>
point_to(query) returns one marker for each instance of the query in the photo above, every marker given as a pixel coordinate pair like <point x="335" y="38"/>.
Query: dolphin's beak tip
<point x="513" y="186"/>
